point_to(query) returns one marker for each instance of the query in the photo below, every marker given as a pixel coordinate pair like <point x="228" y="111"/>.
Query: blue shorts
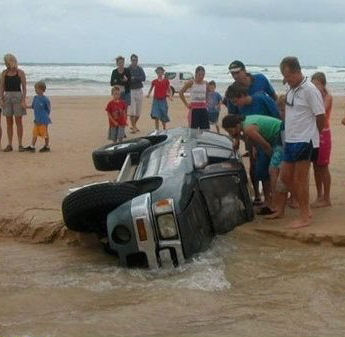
<point x="160" y="110"/>
<point x="262" y="164"/>
<point x="213" y="116"/>
<point x="297" y="151"/>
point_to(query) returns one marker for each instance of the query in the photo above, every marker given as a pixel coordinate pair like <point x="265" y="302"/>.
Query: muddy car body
<point x="187" y="186"/>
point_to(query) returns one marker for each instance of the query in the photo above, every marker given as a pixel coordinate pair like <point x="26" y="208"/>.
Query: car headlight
<point x="166" y="226"/>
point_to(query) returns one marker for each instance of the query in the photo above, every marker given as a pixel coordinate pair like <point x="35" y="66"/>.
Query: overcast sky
<point x="174" y="31"/>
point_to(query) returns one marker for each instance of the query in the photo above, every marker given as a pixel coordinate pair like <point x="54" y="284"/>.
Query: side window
<point x="170" y="75"/>
<point x="186" y="76"/>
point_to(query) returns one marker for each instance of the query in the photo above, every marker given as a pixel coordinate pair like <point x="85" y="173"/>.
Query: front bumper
<point x="145" y="244"/>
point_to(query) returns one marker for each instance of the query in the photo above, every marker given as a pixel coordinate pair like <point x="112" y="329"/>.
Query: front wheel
<point x="86" y="209"/>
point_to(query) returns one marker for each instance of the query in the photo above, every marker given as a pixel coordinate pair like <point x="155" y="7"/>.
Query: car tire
<point x="86" y="209"/>
<point x="172" y="91"/>
<point x="112" y="156"/>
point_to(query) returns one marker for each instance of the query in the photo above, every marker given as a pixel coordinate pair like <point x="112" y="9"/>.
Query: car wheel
<point x="86" y="209"/>
<point x="172" y="91"/>
<point x="112" y="156"/>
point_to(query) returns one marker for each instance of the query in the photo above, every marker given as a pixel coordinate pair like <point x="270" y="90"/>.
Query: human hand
<point x="125" y="78"/>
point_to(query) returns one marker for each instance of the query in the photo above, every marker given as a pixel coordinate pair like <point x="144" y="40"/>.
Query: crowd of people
<point x="282" y="134"/>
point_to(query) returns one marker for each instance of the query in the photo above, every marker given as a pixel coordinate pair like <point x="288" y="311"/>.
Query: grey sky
<point x="193" y="31"/>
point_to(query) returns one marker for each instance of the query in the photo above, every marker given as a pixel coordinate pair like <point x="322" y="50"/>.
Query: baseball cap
<point x="236" y="66"/>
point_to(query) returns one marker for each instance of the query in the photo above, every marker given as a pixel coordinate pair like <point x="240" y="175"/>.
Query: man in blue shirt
<point x="251" y="104"/>
<point x="254" y="83"/>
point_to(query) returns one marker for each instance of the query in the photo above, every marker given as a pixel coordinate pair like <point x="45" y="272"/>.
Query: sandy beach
<point x="252" y="281"/>
<point x="32" y="185"/>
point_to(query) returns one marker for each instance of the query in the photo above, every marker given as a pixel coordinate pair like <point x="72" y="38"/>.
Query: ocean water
<point x="93" y="79"/>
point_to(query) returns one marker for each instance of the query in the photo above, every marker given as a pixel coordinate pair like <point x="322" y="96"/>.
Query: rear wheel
<point x="112" y="156"/>
<point x="86" y="209"/>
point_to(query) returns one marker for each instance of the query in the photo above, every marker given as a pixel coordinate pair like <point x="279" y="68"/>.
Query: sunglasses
<point x="291" y="103"/>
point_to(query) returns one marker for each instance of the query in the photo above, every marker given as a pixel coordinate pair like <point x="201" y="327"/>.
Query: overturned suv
<point x="174" y="192"/>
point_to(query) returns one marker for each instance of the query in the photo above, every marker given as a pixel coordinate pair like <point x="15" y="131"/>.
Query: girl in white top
<point x="198" y="104"/>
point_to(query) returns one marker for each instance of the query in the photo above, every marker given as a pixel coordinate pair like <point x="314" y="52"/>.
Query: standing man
<point x="255" y="83"/>
<point x="304" y="120"/>
<point x="137" y="78"/>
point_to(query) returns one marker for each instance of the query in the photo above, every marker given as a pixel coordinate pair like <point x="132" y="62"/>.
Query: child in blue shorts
<point x="214" y="101"/>
<point x="161" y="86"/>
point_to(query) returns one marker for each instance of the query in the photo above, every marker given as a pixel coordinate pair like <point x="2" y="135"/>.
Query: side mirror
<point x="200" y="159"/>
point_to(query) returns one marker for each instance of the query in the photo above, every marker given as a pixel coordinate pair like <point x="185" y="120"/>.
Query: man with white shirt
<point x="304" y="119"/>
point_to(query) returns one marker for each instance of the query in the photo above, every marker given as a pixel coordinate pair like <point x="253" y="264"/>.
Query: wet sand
<point x="249" y="283"/>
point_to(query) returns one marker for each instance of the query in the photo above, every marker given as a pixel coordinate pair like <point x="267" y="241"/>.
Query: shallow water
<point x="242" y="286"/>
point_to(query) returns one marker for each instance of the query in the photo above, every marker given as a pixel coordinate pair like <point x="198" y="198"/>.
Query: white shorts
<point x="136" y="102"/>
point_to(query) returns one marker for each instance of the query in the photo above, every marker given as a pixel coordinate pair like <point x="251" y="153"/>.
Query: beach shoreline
<point x="33" y="185"/>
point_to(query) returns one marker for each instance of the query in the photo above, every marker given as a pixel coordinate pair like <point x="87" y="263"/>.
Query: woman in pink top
<point x="198" y="100"/>
<point x="321" y="170"/>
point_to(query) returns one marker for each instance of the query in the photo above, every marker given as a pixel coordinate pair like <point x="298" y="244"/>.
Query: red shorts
<point x="325" y="148"/>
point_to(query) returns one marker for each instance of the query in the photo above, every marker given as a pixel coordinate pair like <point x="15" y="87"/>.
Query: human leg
<point x="318" y="183"/>
<point x="19" y="124"/>
<point x="324" y="176"/>
<point x="0" y="129"/>
<point x="284" y="179"/>
<point x="255" y="182"/>
<point x="9" y="123"/>
<point x="301" y="187"/>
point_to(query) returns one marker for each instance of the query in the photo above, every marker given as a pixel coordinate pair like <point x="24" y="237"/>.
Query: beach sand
<point x="33" y="185"/>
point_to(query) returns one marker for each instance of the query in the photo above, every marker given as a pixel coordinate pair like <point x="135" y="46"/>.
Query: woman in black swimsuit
<point x="12" y="99"/>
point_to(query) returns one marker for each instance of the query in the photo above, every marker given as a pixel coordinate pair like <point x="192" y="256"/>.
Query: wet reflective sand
<point x="243" y="286"/>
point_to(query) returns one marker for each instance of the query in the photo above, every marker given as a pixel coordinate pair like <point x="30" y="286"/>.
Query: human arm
<point x="2" y="89"/>
<point x="169" y="91"/>
<point x="142" y="75"/>
<point x="270" y="106"/>
<point x="151" y="88"/>
<point x="112" y="119"/>
<point x="23" y="82"/>
<point x="252" y="132"/>
<point x="113" y="78"/>
<point x="48" y="105"/>
<point x="219" y="104"/>
<point x="320" y="122"/>
<point x="186" y="86"/>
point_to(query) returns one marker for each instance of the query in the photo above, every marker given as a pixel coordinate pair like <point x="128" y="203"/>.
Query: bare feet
<point x="321" y="203"/>
<point x="275" y="215"/>
<point x="299" y="223"/>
